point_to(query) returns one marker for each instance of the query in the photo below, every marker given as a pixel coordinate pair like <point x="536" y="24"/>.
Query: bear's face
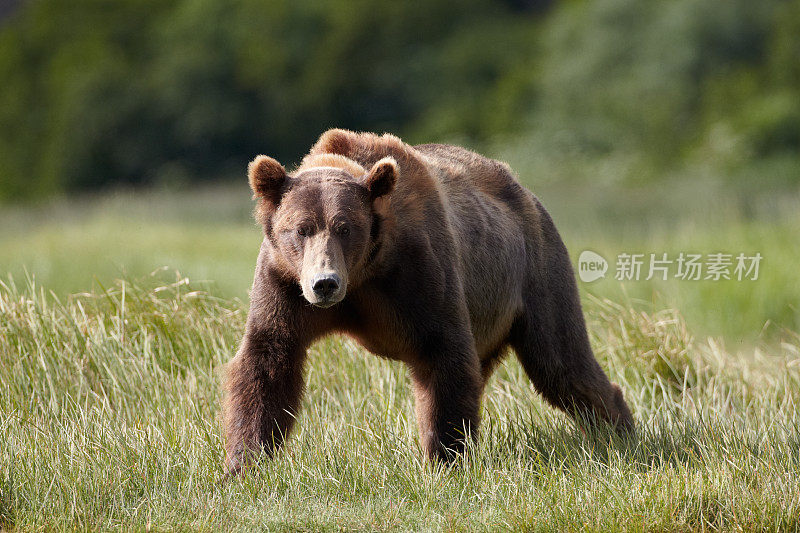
<point x="320" y="222"/>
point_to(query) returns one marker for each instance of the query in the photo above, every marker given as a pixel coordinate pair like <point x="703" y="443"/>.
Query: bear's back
<point x="464" y="170"/>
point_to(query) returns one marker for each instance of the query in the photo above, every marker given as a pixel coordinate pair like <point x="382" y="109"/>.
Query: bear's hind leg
<point x="555" y="353"/>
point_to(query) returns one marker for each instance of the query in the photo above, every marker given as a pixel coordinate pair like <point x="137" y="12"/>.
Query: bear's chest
<point x="378" y="326"/>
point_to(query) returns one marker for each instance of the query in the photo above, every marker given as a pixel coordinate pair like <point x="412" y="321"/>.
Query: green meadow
<point x="118" y="312"/>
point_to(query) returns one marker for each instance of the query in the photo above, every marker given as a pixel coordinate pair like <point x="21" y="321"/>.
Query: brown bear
<point x="431" y="255"/>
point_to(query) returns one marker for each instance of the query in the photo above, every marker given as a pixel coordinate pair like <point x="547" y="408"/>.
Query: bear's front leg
<point x="447" y="388"/>
<point x="264" y="385"/>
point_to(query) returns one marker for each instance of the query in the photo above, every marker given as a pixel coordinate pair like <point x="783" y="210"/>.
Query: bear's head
<point x="322" y="220"/>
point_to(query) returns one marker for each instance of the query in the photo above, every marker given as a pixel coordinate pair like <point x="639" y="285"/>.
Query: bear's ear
<point x="381" y="178"/>
<point x="266" y="177"/>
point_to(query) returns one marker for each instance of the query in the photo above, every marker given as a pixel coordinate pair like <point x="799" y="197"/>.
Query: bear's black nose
<point x="325" y="285"/>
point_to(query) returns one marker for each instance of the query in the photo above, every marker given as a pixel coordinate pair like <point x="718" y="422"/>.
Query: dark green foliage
<point x="175" y="91"/>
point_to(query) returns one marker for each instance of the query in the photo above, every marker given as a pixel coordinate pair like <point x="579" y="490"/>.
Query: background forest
<point x="150" y="92"/>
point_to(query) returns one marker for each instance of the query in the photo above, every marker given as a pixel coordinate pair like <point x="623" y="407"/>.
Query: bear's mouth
<point x="324" y="304"/>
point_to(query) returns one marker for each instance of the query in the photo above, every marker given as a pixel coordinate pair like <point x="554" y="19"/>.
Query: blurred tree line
<point x="96" y="93"/>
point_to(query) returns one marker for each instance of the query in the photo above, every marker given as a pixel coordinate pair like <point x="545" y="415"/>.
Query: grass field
<point x="110" y="419"/>
<point x="109" y="390"/>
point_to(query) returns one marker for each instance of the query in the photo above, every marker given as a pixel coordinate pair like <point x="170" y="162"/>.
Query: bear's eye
<point x="343" y="230"/>
<point x="303" y="231"/>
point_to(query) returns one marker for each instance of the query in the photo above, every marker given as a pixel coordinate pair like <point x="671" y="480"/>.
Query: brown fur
<point x="443" y="261"/>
